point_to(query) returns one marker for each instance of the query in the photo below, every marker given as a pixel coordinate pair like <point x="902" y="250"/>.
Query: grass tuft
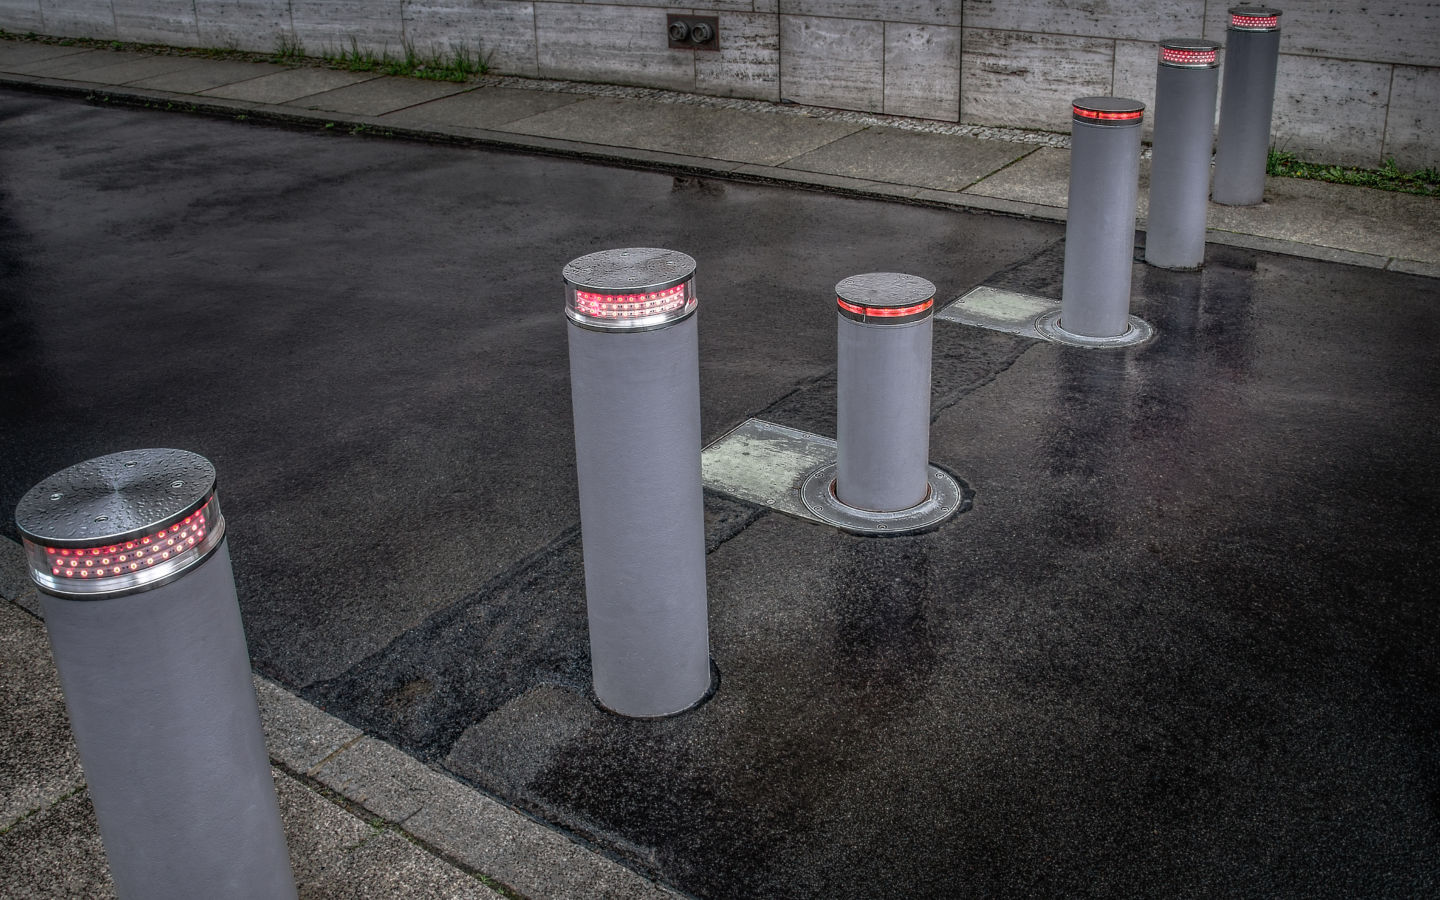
<point x="460" y="64"/>
<point x="1388" y="177"/>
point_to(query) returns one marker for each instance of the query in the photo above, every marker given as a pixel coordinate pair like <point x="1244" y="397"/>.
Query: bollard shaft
<point x="1247" y="100"/>
<point x="1100" y="224"/>
<point x="1180" y="163"/>
<point x="160" y="697"/>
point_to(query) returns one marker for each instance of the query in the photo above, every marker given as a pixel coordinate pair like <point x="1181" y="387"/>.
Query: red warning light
<point x="1254" y="23"/>
<point x="630" y="306"/>
<point x="1198" y="58"/>
<point x="109" y="560"/>
<point x="1102" y="116"/>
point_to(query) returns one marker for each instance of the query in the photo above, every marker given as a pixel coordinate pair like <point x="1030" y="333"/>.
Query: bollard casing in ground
<point x="635" y="387"/>
<point x="130" y="556"/>
<point x="1247" y="100"/>
<point x="1186" y="81"/>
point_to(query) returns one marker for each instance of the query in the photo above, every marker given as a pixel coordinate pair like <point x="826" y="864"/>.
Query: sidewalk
<point x="967" y="167"/>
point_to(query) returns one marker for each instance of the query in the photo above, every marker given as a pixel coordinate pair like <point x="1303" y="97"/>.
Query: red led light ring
<point x="1254" y="23"/>
<point x="887" y="315"/>
<point x="631" y="311"/>
<point x="1095" y="115"/>
<point x="1189" y="59"/>
<point x="135" y="563"/>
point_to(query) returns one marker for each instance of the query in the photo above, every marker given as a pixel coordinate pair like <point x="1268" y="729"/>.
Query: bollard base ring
<point x="1137" y="331"/>
<point x="945" y="498"/>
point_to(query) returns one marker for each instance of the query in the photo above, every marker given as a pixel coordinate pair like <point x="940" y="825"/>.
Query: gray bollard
<point x="129" y="553"/>
<point x="886" y="325"/>
<point x="1185" y="84"/>
<point x="635" y="386"/>
<point x="881" y="481"/>
<point x="1247" y="99"/>
<point x="1100" y="225"/>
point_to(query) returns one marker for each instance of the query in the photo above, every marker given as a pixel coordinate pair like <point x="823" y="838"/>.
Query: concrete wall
<point x="1359" y="79"/>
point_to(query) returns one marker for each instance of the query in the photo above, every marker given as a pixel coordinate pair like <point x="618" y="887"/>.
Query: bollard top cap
<point x="885" y="298"/>
<point x="1108" y="111"/>
<point x="120" y="523"/>
<point x="1254" y="18"/>
<point x="632" y="289"/>
<point x="1189" y="53"/>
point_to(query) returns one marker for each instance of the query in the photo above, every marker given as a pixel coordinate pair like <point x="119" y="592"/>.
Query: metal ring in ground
<point x="945" y="499"/>
<point x="1138" y="332"/>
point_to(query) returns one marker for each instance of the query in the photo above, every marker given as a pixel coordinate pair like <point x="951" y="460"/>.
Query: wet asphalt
<point x="1182" y="645"/>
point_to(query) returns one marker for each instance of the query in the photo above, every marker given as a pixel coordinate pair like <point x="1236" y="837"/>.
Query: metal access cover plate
<point x="999" y="310"/>
<point x="766" y="463"/>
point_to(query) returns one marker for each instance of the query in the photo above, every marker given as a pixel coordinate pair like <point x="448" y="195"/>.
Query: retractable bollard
<point x="1100" y="227"/>
<point x="635" y="385"/>
<point x="1247" y="99"/>
<point x="1186" y="81"/>
<point x="881" y="482"/>
<point x="129" y="553"/>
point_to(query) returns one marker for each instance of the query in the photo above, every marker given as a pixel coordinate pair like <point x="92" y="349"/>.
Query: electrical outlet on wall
<point x="688" y="32"/>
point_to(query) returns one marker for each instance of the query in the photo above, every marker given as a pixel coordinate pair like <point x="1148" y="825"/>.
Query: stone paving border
<point x="1298" y="224"/>
<point x="423" y="833"/>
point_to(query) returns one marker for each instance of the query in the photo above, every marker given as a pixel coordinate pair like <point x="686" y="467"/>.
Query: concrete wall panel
<point x="1029" y="80"/>
<point x="921" y="12"/>
<point x="748" y="64"/>
<point x="1135" y="70"/>
<point x="78" y="18"/>
<point x="501" y="31"/>
<point x="1412" y="131"/>
<point x="333" y="25"/>
<point x="623" y="44"/>
<point x="256" y="25"/>
<point x="833" y="62"/>
<point x="1400" y="31"/>
<point x="922" y="71"/>
<point x="21" y="16"/>
<point x="1092" y="18"/>
<point x="681" y="6"/>
<point x="1331" y="110"/>
<point x="157" y="22"/>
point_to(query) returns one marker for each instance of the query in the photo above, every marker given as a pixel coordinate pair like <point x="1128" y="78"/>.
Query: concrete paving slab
<point x="210" y="74"/>
<point x="296" y="733"/>
<point x="761" y="462"/>
<point x="133" y="68"/>
<point x="56" y="853"/>
<point x="38" y="761"/>
<point x="728" y="134"/>
<point x="937" y="161"/>
<point x="1361" y="220"/>
<point x="19" y="53"/>
<point x="391" y="866"/>
<point x="486" y="108"/>
<point x="380" y="96"/>
<point x="15" y="583"/>
<point x="336" y="855"/>
<point x="522" y="854"/>
<point x="380" y="778"/>
<point x="60" y="65"/>
<point x="474" y="829"/>
<point x="291" y="84"/>
<point x="824" y="180"/>
<point x="1043" y="178"/>
<point x="998" y="309"/>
